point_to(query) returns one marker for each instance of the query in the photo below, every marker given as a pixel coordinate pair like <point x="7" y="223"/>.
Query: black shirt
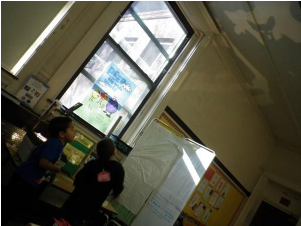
<point x="89" y="194"/>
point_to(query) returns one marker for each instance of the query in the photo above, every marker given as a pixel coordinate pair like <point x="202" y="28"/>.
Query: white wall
<point x="209" y="94"/>
<point x="270" y="183"/>
<point x="62" y="53"/>
<point x="274" y="193"/>
<point x="285" y="164"/>
<point x="213" y="105"/>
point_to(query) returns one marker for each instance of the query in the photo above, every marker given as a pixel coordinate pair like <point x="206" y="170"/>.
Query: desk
<point x="64" y="182"/>
<point x="108" y="207"/>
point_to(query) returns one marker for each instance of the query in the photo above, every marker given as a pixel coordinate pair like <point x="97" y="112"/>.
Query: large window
<point x="130" y="61"/>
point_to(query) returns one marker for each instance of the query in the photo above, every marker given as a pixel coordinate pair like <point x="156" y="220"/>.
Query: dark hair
<point x="105" y="149"/>
<point x="57" y="125"/>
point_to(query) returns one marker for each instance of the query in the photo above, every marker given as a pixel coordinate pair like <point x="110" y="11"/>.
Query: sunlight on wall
<point x="28" y="54"/>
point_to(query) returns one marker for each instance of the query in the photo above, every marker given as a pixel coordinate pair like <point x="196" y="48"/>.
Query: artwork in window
<point x="141" y="46"/>
<point x="108" y="95"/>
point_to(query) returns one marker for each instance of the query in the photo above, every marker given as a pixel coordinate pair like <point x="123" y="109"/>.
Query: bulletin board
<point x="162" y="171"/>
<point x="216" y="198"/>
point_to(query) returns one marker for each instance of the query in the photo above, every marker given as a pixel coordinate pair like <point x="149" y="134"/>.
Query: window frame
<point x="183" y="22"/>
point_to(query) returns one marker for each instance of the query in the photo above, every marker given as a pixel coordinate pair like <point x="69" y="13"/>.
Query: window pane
<point x="107" y="87"/>
<point x="136" y="43"/>
<point x="126" y="68"/>
<point x="80" y="87"/>
<point x="162" y="23"/>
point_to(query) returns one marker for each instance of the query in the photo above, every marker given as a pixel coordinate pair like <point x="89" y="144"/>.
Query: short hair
<point x="58" y="124"/>
<point x="105" y="149"/>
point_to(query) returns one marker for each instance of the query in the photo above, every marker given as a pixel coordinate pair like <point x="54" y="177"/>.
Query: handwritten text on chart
<point x="163" y="208"/>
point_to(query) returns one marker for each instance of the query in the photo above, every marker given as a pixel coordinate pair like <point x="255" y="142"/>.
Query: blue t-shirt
<point x="30" y="170"/>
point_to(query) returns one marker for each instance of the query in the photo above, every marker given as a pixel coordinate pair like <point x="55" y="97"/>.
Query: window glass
<point x="108" y="88"/>
<point x="121" y="74"/>
<point x="143" y="52"/>
<point x="162" y="23"/>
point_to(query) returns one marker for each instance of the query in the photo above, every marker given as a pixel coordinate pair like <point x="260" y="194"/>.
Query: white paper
<point x="202" y="185"/>
<point x="199" y="210"/>
<point x="219" y="203"/>
<point x="194" y="200"/>
<point x="213" y="199"/>
<point x="226" y="189"/>
<point x="207" y="193"/>
<point x="185" y="164"/>
<point x="206" y="214"/>
<point x="220" y="184"/>
<point x="161" y="209"/>
<point x="214" y="179"/>
<point x="147" y="165"/>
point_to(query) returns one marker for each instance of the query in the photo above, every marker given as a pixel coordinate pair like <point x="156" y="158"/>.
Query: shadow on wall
<point x="260" y="56"/>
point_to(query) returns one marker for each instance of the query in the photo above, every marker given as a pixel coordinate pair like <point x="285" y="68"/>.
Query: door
<point x="268" y="215"/>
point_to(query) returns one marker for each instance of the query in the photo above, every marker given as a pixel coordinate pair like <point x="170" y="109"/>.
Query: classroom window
<point x="119" y="76"/>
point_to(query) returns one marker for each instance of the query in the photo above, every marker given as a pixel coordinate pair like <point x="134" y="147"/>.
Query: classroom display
<point x="32" y="91"/>
<point x="108" y="95"/>
<point x="215" y="200"/>
<point x="75" y="152"/>
<point x="154" y="187"/>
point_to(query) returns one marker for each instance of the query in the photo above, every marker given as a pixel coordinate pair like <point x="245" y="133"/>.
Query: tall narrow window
<point x="122" y="73"/>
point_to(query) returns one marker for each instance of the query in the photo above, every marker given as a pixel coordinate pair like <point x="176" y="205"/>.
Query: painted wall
<point x="209" y="94"/>
<point x="213" y="105"/>
<point x="285" y="164"/>
<point x="275" y="193"/>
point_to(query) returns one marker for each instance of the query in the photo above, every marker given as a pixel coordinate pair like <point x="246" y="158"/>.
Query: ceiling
<point x="265" y="41"/>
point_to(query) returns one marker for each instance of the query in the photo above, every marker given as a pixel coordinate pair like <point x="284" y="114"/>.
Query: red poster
<point x="209" y="173"/>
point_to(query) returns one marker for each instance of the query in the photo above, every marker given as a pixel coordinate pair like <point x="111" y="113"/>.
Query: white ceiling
<point x="265" y="41"/>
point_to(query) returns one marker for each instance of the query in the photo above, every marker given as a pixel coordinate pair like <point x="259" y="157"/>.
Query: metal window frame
<point x="175" y="10"/>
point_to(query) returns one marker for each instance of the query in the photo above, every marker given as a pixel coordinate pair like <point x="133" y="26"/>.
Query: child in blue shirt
<point x="26" y="183"/>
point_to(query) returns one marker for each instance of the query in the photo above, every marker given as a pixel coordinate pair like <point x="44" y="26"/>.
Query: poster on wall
<point x="108" y="95"/>
<point x="215" y="200"/>
<point x="32" y="91"/>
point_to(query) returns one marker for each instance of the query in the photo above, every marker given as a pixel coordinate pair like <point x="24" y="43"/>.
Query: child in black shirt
<point x="93" y="184"/>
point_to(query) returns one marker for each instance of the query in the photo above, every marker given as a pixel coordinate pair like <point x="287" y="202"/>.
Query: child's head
<point x="62" y="128"/>
<point x="105" y="149"/>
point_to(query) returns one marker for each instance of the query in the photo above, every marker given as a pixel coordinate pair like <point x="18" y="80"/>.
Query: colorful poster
<point x="209" y="173"/>
<point x="108" y="95"/>
<point x="202" y="185"/>
<point x="32" y="91"/>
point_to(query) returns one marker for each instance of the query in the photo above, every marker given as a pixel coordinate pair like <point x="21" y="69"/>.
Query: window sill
<point x="8" y="73"/>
